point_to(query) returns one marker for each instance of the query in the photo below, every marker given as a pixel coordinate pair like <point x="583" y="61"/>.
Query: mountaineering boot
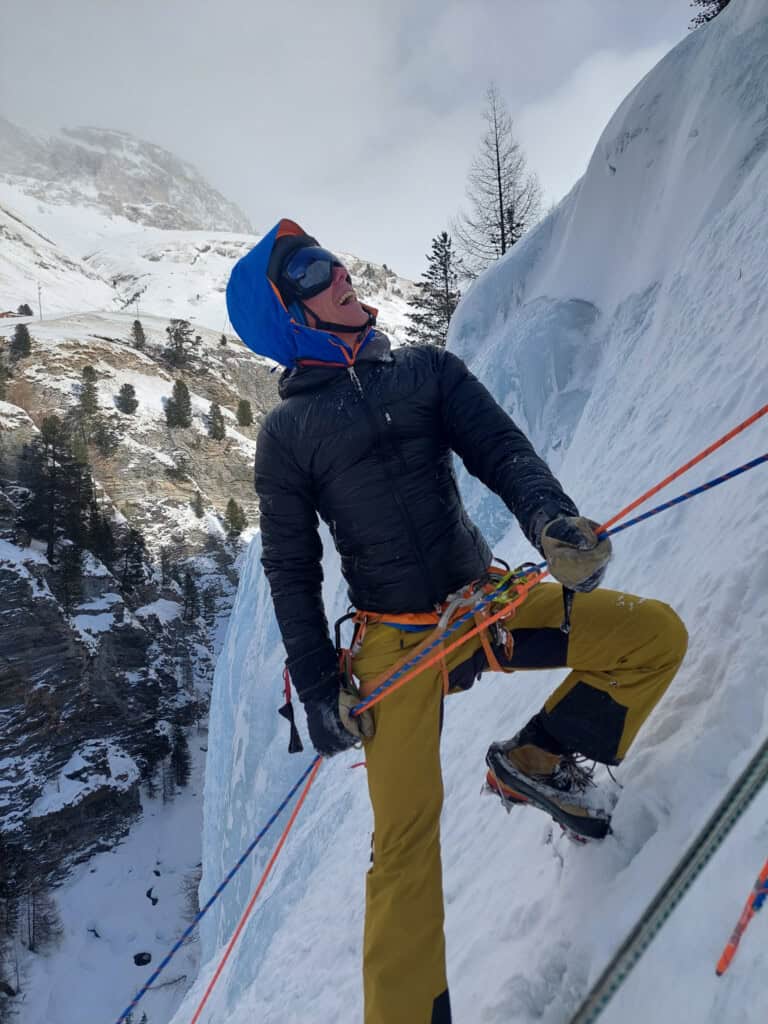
<point x="523" y="773"/>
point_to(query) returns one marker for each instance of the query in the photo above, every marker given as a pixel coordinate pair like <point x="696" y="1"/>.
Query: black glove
<point x="577" y="558"/>
<point x="332" y="727"/>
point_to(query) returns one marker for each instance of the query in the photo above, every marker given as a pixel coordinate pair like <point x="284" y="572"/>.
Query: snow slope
<point x="88" y="258"/>
<point x="626" y="334"/>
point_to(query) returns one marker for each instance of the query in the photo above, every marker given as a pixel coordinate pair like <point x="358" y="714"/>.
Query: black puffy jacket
<point x="369" y="449"/>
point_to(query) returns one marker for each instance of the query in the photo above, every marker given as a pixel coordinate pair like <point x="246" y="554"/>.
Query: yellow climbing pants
<point x="623" y="652"/>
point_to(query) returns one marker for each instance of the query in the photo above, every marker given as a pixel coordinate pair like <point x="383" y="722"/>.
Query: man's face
<point x="338" y="303"/>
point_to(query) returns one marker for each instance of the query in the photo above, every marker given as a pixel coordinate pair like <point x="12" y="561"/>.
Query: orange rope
<point x="259" y="887"/>
<point x="684" y="469"/>
<point x="759" y="889"/>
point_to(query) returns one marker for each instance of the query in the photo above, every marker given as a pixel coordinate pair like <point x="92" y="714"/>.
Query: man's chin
<point x="353" y="316"/>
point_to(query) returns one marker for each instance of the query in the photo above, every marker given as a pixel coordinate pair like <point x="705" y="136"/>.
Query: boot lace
<point x="574" y="774"/>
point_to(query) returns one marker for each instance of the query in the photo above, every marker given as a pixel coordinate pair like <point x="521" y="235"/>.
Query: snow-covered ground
<point x="634" y="318"/>
<point x="128" y="901"/>
<point x="87" y="259"/>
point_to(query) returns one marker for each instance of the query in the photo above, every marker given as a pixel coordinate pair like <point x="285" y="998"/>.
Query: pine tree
<point x="181" y="761"/>
<point x="138" y="335"/>
<point x="101" y="539"/>
<point x="42" y="513"/>
<point x="166" y="573"/>
<point x="40" y="921"/>
<point x="197" y="504"/>
<point x="209" y="604"/>
<point x="104" y="436"/>
<point x="71" y="573"/>
<point x="504" y="196"/>
<point x="126" y="401"/>
<point x="89" y="398"/>
<point x="5" y="376"/>
<point x="234" y="519"/>
<point x="179" y="335"/>
<point x="21" y="343"/>
<point x="244" y="413"/>
<point x="711" y="9"/>
<point x="133" y="560"/>
<point x="191" y="598"/>
<point x="223" y="339"/>
<point x="25" y="309"/>
<point x="437" y="296"/>
<point x="216" y="428"/>
<point x="178" y="408"/>
<point x="168" y="780"/>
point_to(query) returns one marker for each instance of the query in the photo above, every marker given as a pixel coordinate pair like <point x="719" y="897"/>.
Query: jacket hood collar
<point x="306" y="378"/>
<point x="258" y="314"/>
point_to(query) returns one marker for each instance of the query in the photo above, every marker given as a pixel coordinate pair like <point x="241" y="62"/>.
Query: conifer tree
<point x="179" y="336"/>
<point x="437" y="295"/>
<point x="42" y="513"/>
<point x="25" y="309"/>
<point x="234" y="519"/>
<point x="209" y="604"/>
<point x="168" y="781"/>
<point x="71" y="573"/>
<point x="191" y="598"/>
<point x="138" y="335"/>
<point x="126" y="401"/>
<point x="223" y="339"/>
<point x="166" y="574"/>
<point x="244" y="413"/>
<point x="197" y="504"/>
<point x="21" y="343"/>
<point x="101" y="539"/>
<point x="504" y="196"/>
<point x="88" y="402"/>
<point x="181" y="762"/>
<point x="216" y="428"/>
<point x="710" y="10"/>
<point x="178" y="408"/>
<point x="104" y="436"/>
<point x="5" y="376"/>
<point x="133" y="559"/>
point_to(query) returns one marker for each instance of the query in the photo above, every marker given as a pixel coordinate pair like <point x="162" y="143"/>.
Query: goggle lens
<point x="309" y="271"/>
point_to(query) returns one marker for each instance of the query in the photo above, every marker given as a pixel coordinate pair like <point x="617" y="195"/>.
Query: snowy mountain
<point x="626" y="334"/>
<point x="118" y="175"/>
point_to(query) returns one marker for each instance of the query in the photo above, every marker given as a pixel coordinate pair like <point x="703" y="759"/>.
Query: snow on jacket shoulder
<point x="375" y="463"/>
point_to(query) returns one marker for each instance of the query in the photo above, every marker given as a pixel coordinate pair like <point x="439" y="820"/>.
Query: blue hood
<point x="260" y="318"/>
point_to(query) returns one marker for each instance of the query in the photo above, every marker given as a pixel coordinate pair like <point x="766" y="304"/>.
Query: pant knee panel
<point x="587" y="721"/>
<point x="441" y="1009"/>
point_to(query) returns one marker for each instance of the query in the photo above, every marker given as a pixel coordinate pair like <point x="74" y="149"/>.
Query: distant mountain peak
<point x="119" y="174"/>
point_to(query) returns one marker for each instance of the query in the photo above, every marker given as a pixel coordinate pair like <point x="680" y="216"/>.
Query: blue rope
<point x="383" y="687"/>
<point x="690" y="494"/>
<point x="124" y="1015"/>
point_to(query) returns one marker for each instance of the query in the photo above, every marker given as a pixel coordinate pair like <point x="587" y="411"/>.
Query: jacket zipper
<point x="377" y="434"/>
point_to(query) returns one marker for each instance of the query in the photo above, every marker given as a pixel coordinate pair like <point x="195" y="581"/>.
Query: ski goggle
<point x="309" y="271"/>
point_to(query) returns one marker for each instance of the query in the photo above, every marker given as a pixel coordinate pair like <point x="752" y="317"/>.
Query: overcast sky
<point x="358" y="118"/>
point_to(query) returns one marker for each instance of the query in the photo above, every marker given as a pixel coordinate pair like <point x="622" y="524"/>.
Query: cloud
<point x="560" y="132"/>
<point x="360" y="119"/>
